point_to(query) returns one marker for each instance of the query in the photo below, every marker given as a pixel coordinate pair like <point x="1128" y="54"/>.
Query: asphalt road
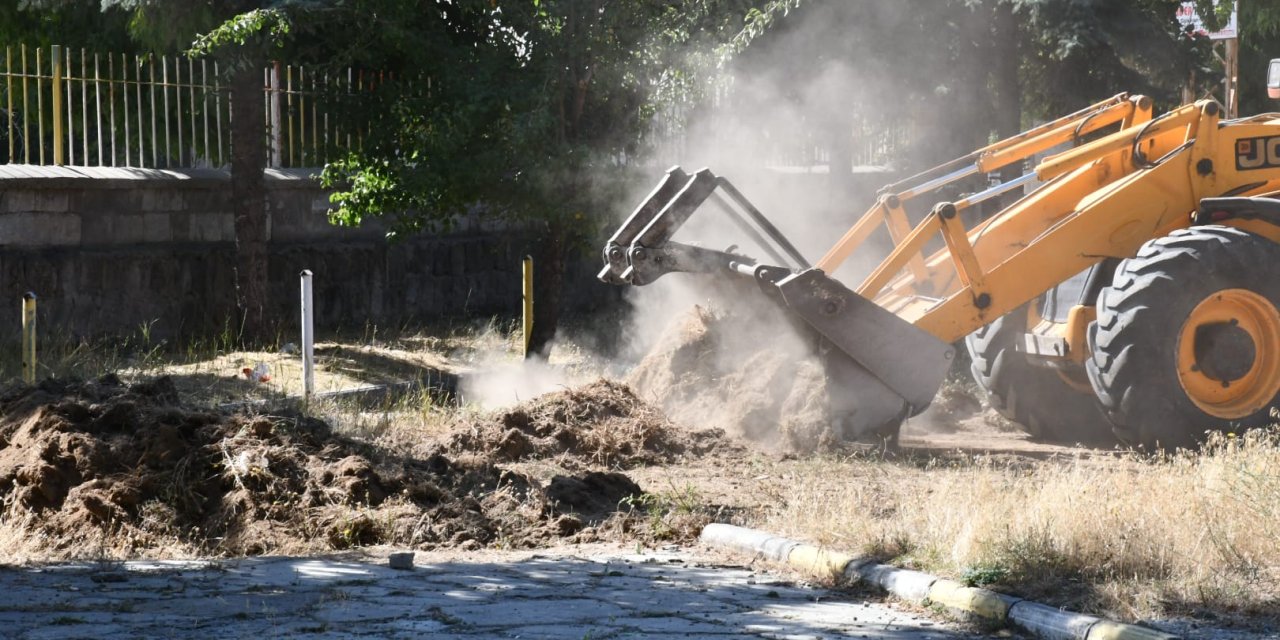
<point x="592" y="594"/>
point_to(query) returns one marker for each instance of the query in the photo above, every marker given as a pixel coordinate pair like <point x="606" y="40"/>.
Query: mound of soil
<point x="598" y="424"/>
<point x="90" y="467"/>
<point x="753" y="378"/>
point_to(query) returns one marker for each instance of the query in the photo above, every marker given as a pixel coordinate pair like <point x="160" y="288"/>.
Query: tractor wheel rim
<point x="1229" y="353"/>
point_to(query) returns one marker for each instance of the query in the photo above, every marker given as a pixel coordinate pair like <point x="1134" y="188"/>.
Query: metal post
<point x="217" y="111"/>
<point x="8" y="94"/>
<point x="528" y="302"/>
<point x="40" y="103"/>
<point x="1233" y="80"/>
<point x="155" y="137"/>
<point x="308" y="337"/>
<point x="84" y="110"/>
<point x="29" y="337"/>
<point x="69" y="126"/>
<point x="288" y="98"/>
<point x="273" y="116"/>
<point x="57" y="105"/>
<point x="26" y="119"/>
<point x="97" y="102"/>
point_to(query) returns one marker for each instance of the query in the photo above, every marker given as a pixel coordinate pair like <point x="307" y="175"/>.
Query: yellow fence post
<point x="528" y="302"/>
<point x="8" y="82"/>
<point x="57" y="105"/>
<point x="29" y="337"/>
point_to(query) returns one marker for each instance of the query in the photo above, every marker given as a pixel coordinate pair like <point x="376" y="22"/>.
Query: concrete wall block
<point x="39" y="229"/>
<point x="457" y="259"/>
<point x="167" y="249"/>
<point x="207" y="200"/>
<point x="203" y="227"/>
<point x="138" y="228"/>
<point x="473" y="259"/>
<point x="180" y="226"/>
<point x="97" y="227"/>
<point x="17" y="200"/>
<point x="163" y="199"/>
<point x="404" y="260"/>
<point x="320" y="204"/>
<point x="52" y="201"/>
<point x="106" y="202"/>
<point x="439" y="260"/>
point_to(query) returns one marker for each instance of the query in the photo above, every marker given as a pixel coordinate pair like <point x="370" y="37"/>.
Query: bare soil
<point x="601" y="424"/>
<point x="102" y="466"/>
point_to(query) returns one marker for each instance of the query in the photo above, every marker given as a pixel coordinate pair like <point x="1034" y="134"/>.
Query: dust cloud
<point x="713" y="350"/>
<point x="800" y="124"/>
<point x="500" y="380"/>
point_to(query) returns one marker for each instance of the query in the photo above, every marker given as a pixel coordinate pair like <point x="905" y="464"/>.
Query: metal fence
<point x="64" y="107"/>
<point x="67" y="107"/>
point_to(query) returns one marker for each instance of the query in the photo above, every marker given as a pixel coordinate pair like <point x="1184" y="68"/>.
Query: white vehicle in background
<point x="1273" y="79"/>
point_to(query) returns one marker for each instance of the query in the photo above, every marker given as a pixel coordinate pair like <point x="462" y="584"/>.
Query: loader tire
<point x="1188" y="338"/>
<point x="1036" y="398"/>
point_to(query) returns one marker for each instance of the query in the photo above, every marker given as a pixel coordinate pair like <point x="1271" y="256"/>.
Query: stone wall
<point x="107" y="250"/>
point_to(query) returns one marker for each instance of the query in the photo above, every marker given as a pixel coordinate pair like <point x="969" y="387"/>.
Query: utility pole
<point x="1230" y="82"/>
<point x="1228" y="56"/>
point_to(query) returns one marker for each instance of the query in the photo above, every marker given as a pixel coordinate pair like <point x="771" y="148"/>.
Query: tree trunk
<point x="1008" y="91"/>
<point x="548" y="286"/>
<point x="248" y="159"/>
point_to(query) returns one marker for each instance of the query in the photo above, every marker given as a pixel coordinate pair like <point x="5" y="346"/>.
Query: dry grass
<point x="1128" y="537"/>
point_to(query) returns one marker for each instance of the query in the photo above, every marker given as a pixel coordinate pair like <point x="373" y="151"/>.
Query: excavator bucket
<point x="882" y="367"/>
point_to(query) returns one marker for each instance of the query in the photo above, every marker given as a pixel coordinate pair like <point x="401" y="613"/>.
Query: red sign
<point x="1187" y="17"/>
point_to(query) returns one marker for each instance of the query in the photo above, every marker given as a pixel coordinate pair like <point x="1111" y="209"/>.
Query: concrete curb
<point x="1040" y="620"/>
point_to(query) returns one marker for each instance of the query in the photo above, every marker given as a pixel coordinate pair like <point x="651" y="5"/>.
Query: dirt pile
<point x="751" y="377"/>
<point x="100" y="467"/>
<point x="599" y="424"/>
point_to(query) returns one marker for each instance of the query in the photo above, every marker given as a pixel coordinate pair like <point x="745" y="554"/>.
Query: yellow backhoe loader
<point x="1131" y="289"/>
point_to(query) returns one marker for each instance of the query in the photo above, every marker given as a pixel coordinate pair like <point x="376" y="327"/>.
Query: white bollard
<point x="308" y="337"/>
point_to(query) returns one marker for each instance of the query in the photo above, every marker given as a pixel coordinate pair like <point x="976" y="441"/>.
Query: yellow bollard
<point x="29" y="337"/>
<point x="528" y="302"/>
<point x="57" y="106"/>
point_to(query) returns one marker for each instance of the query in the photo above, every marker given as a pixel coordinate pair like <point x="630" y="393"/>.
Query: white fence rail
<point x="66" y="107"/>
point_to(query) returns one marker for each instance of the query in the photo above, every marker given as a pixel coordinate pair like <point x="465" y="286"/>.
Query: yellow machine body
<point x="1097" y="204"/>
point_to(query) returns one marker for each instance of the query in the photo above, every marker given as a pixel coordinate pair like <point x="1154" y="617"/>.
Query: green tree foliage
<point x="40" y="23"/>
<point x="1082" y="50"/>
<point x="531" y="106"/>
<point x="1259" y="42"/>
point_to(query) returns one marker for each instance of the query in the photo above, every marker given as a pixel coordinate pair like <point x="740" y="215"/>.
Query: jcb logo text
<point x="1257" y="153"/>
